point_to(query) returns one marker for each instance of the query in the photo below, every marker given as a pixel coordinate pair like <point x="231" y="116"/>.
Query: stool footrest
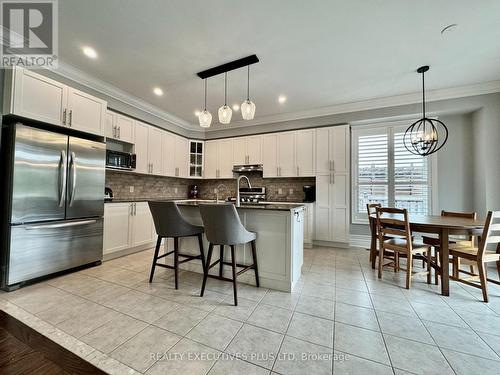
<point x="245" y="269"/>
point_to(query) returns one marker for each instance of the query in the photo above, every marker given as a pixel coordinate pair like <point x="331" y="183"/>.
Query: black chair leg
<point x="233" y="261"/>
<point x="202" y="253"/>
<point x="221" y="264"/>
<point x="157" y="250"/>
<point x="176" y="261"/>
<point x="254" y="255"/>
<point x="205" y="273"/>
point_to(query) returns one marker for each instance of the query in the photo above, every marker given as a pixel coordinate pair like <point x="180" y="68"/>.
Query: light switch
<point x="280" y="191"/>
<point x="131" y="188"/>
<point x="176" y="190"/>
<point x="290" y="191"/>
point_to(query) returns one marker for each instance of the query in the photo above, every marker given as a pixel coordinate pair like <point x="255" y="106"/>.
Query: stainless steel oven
<point x="120" y="160"/>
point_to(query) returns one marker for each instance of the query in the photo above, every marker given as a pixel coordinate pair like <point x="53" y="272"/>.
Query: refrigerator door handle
<point x="60" y="225"/>
<point x="73" y="178"/>
<point x="62" y="182"/>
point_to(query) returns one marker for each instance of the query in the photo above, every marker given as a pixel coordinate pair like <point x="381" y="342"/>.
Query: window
<point x="385" y="172"/>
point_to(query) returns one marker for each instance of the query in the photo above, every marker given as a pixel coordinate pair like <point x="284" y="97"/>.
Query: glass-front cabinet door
<point x="196" y="149"/>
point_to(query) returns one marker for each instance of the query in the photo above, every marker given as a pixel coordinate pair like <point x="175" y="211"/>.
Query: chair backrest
<point x="465" y="215"/>
<point x="169" y="221"/>
<point x="491" y="233"/>
<point x="222" y="224"/>
<point x="371" y="209"/>
<point x="393" y="222"/>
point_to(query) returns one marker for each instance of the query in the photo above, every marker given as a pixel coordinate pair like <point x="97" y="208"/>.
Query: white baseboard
<point x="359" y="240"/>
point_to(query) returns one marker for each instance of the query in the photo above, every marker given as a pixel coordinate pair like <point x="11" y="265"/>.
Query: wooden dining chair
<point x="371" y="210"/>
<point x="393" y="228"/>
<point x="479" y="256"/>
<point x="434" y="241"/>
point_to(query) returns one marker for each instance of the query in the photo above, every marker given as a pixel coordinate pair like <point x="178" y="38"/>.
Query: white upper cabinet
<point x="141" y="147"/>
<point x="270" y="155"/>
<point x="254" y="149"/>
<point x="286" y="155"/>
<point x="219" y="158"/>
<point x="119" y="127"/>
<point x="35" y="96"/>
<point x="40" y="98"/>
<point x="305" y="152"/>
<point x="85" y="112"/>
<point x="211" y="157"/>
<point x="167" y="152"/>
<point x="247" y="150"/>
<point x="240" y="151"/>
<point x="225" y="158"/>
<point x="181" y="157"/>
<point x="332" y="149"/>
<point x="155" y="151"/>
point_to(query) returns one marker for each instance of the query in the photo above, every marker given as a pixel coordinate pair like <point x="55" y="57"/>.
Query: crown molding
<point x="70" y="72"/>
<point x="375" y="103"/>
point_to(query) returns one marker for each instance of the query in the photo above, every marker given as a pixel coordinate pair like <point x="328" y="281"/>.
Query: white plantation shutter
<point x="411" y="179"/>
<point x="385" y="172"/>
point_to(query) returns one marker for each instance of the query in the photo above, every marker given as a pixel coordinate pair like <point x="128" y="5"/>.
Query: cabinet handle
<point x="135" y="209"/>
<point x="152" y="168"/>
<point x="298" y="174"/>
<point x="131" y="209"/>
<point x="70" y="117"/>
<point x="64" y="116"/>
<point x="119" y="132"/>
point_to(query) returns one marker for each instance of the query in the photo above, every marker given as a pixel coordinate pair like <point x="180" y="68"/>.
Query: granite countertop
<point x="276" y="206"/>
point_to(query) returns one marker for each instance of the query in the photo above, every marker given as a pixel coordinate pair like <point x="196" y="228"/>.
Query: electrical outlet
<point x="215" y="191"/>
<point x="290" y="191"/>
<point x="131" y="188"/>
<point x="176" y="190"/>
<point x="280" y="191"/>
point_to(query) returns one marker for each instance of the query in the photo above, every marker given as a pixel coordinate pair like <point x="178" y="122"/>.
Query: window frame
<point x="389" y="128"/>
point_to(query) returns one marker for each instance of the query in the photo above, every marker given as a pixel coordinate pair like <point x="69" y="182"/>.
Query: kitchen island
<point x="279" y="229"/>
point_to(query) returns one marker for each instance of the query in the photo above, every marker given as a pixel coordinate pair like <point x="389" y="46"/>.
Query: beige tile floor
<point x="340" y="319"/>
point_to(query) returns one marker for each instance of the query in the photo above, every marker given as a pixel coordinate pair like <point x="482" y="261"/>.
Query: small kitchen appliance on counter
<point x="193" y="192"/>
<point x="309" y="193"/>
<point x="108" y="194"/>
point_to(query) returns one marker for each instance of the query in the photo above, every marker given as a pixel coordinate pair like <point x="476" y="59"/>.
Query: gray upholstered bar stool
<point x="223" y="227"/>
<point x="169" y="223"/>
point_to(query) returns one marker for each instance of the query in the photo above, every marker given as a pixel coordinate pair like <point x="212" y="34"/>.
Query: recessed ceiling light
<point x="197" y="113"/>
<point x="282" y="99"/>
<point x="158" y="91"/>
<point x="449" y="28"/>
<point x="89" y="52"/>
<point x="236" y="107"/>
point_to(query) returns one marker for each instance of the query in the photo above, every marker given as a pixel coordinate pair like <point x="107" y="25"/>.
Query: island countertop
<point x="272" y="206"/>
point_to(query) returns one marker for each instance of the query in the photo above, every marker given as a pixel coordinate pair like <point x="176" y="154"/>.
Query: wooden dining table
<point x="443" y="226"/>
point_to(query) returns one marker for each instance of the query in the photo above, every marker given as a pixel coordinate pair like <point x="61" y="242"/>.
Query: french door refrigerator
<point x="54" y="203"/>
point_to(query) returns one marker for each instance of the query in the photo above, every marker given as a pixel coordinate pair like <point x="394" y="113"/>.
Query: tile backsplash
<point x="157" y="187"/>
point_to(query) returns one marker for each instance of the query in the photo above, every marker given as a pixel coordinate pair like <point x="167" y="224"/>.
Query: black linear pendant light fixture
<point x="427" y="135"/>
<point x="225" y="112"/>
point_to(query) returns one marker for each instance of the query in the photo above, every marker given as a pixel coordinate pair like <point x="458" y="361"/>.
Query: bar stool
<point x="223" y="227"/>
<point x="169" y="223"/>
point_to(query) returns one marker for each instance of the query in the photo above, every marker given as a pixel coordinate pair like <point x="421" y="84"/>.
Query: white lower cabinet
<point x="127" y="225"/>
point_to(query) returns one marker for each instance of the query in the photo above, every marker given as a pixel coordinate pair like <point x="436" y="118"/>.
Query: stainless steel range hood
<point x="247" y="168"/>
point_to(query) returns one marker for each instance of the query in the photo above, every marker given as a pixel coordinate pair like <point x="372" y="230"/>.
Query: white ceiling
<point x="317" y="53"/>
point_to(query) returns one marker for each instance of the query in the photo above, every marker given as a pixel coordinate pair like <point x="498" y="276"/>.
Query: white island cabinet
<point x="280" y="244"/>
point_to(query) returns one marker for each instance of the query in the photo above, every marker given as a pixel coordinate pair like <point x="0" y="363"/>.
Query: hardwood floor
<point x="25" y="351"/>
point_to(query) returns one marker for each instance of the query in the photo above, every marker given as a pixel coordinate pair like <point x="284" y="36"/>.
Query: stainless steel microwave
<point x="120" y="160"/>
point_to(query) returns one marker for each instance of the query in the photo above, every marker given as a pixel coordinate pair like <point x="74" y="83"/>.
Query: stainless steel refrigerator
<point x="54" y="202"/>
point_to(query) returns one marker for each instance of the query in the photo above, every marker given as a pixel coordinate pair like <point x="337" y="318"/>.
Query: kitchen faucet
<point x="238" y="188"/>
<point x="217" y="191"/>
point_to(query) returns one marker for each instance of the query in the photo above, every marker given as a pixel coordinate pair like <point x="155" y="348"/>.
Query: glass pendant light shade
<point x="205" y="119"/>
<point x="225" y="114"/>
<point x="247" y="110"/>
<point x="248" y="107"/>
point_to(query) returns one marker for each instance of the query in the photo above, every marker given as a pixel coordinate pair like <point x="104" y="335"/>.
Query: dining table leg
<point x="445" y="261"/>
